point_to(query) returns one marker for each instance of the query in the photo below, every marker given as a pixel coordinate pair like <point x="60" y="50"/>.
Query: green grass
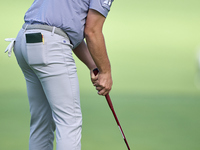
<point x="157" y="122"/>
<point x="152" y="47"/>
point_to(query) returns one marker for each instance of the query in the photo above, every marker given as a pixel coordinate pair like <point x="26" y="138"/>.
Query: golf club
<point x="95" y="71"/>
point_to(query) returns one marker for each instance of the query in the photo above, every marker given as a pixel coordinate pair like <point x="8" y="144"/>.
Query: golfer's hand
<point x="102" y="82"/>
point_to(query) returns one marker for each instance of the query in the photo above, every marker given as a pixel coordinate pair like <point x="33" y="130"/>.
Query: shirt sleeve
<point x="102" y="6"/>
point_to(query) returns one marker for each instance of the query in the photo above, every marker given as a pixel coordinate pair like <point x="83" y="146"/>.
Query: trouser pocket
<point x="36" y="53"/>
<point x="35" y="49"/>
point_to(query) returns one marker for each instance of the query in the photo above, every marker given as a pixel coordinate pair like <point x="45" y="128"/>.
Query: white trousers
<point x="53" y="91"/>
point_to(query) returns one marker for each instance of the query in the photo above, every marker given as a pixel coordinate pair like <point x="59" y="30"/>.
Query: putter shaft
<point x="95" y="71"/>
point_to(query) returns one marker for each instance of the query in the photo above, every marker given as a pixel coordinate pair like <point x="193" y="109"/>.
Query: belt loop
<point x="26" y="25"/>
<point x="52" y="33"/>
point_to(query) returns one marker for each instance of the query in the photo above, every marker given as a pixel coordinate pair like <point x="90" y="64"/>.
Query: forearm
<point x="97" y="48"/>
<point x="83" y="54"/>
<point x="96" y="45"/>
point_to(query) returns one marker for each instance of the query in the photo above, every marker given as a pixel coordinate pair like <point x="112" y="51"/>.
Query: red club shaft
<point x="95" y="71"/>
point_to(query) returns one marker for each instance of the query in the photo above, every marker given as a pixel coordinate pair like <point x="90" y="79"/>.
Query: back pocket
<point x="36" y="53"/>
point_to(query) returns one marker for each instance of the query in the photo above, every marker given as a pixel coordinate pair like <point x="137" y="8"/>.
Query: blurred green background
<point x="152" y="46"/>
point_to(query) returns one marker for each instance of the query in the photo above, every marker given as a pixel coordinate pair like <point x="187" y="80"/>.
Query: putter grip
<point x="96" y="71"/>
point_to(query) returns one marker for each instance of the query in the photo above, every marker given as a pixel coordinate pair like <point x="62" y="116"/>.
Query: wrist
<point x="105" y="70"/>
<point x="92" y="67"/>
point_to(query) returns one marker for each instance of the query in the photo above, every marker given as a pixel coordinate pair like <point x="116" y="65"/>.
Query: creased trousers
<point x="53" y="90"/>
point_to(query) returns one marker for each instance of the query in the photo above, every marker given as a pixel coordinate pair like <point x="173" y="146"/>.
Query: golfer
<point x="43" y="48"/>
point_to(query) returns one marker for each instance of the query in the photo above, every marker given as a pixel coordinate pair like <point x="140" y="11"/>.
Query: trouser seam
<point x="74" y="101"/>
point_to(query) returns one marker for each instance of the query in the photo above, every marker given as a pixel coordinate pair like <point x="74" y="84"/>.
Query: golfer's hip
<point x="41" y="48"/>
<point x="44" y="44"/>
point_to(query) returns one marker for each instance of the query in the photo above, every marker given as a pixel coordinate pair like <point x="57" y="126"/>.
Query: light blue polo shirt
<point x="69" y="15"/>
